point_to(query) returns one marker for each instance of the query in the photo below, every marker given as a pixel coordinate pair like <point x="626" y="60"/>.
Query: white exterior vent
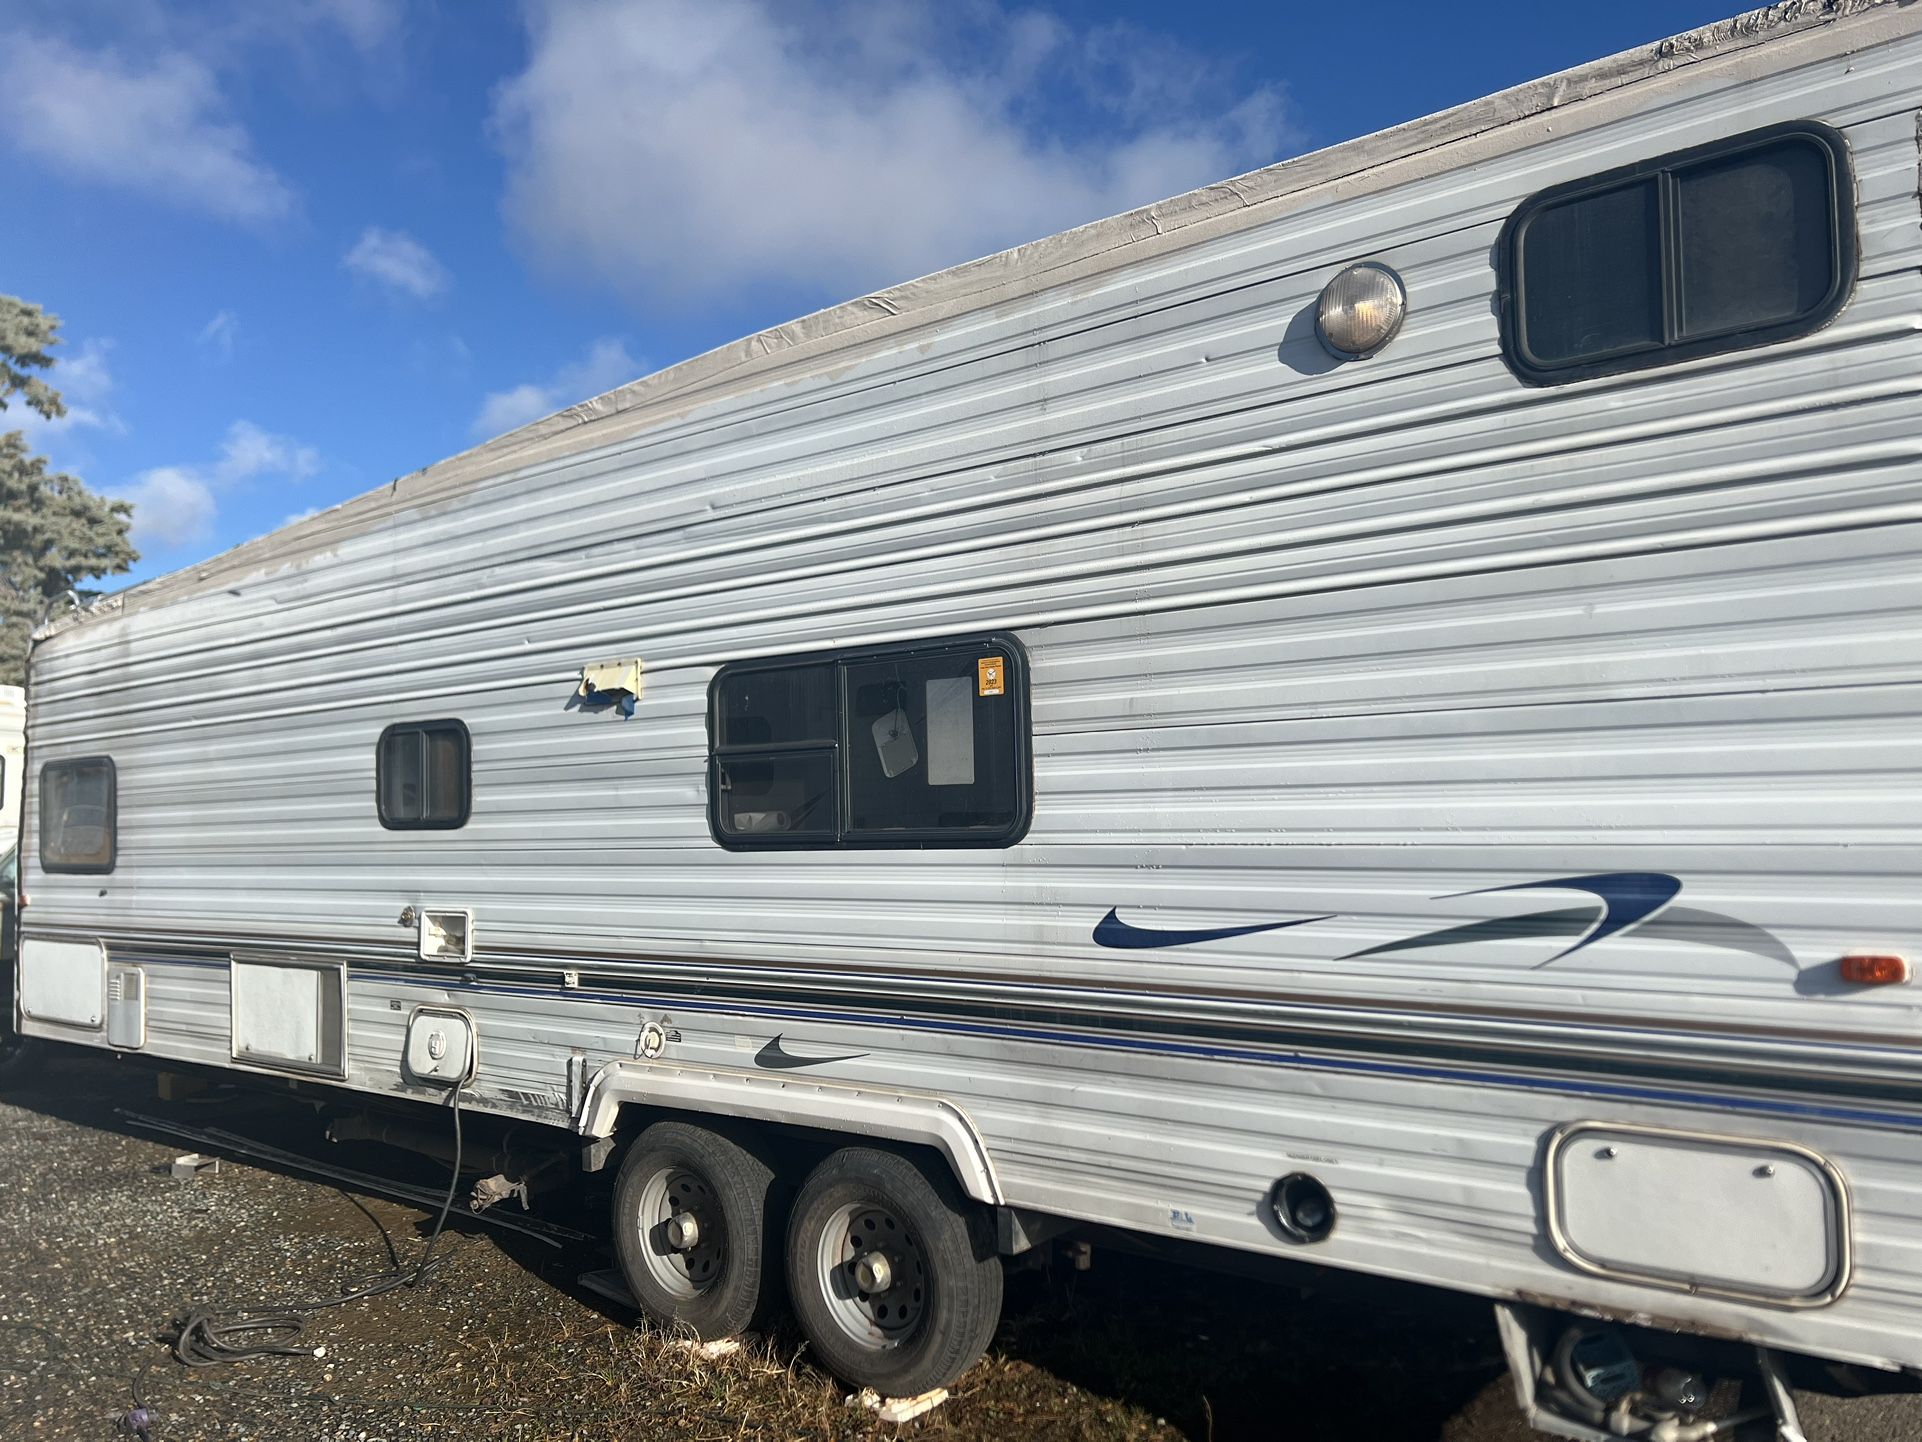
<point x="126" y="1007"/>
<point x="609" y="680"/>
<point x="446" y="935"/>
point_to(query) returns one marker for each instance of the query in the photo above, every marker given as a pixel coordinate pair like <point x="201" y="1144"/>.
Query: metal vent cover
<point x="126" y="1007"/>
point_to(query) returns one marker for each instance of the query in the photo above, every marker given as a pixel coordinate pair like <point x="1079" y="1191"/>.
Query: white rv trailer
<point x="1365" y="713"/>
<point x="13" y="748"/>
<point x="13" y="755"/>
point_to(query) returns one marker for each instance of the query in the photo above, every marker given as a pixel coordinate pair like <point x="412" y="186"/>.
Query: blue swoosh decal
<point x="1572" y="921"/>
<point x="1111" y="930"/>
<point x="1627" y="897"/>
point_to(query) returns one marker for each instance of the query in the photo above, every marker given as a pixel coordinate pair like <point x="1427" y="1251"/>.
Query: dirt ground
<point x="100" y="1247"/>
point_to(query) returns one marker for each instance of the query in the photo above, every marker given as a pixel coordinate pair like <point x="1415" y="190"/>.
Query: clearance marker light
<point x="1875" y="970"/>
<point x="1360" y="310"/>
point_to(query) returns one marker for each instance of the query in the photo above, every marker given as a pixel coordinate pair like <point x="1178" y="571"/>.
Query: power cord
<point x="213" y="1336"/>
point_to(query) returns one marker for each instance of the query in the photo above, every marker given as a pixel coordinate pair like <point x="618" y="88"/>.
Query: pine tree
<point x="54" y="532"/>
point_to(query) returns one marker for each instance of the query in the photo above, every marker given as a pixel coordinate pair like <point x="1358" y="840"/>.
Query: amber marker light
<point x="1875" y="970"/>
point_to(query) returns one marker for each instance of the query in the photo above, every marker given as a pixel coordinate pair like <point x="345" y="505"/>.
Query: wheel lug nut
<point x="873" y="1273"/>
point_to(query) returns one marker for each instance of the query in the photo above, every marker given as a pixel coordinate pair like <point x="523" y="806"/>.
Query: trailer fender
<point x="917" y="1118"/>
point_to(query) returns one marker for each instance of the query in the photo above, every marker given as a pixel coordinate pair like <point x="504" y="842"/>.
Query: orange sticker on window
<point x="991" y="676"/>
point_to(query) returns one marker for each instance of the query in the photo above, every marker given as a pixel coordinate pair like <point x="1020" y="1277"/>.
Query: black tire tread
<point x="744" y="1183"/>
<point x="958" y="1240"/>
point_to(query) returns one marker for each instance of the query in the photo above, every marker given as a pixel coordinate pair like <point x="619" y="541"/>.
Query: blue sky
<point x="304" y="246"/>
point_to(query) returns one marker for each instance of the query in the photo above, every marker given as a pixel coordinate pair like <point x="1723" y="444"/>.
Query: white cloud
<point x="248" y="451"/>
<point x="688" y="147"/>
<point x="367" y="24"/>
<point x="156" y="124"/>
<point x="219" y="334"/>
<point x="84" y="375"/>
<point x="172" y="506"/>
<point x="177" y="505"/>
<point x="220" y="31"/>
<point x="394" y="259"/>
<point x="85" y="382"/>
<point x="605" y="366"/>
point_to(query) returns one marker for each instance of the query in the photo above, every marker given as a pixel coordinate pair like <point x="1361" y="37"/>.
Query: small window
<point x="1733" y="245"/>
<point x="923" y="745"/>
<point x="423" y="776"/>
<point x="78" y="815"/>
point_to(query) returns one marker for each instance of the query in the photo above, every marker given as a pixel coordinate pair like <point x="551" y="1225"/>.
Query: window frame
<point x="440" y="723"/>
<point x="841" y="838"/>
<point x="1511" y="288"/>
<point x="82" y="868"/>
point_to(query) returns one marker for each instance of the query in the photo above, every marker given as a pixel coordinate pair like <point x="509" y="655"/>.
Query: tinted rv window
<point x="777" y="797"/>
<point x="78" y="815"/>
<point x="1755" y="238"/>
<point x="923" y="745"/>
<point x="423" y="776"/>
<point x="926" y="751"/>
<point x="1738" y="244"/>
<point x="1595" y="276"/>
<point x="787" y="703"/>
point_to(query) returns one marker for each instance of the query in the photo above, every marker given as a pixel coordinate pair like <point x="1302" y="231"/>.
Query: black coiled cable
<point x="210" y="1336"/>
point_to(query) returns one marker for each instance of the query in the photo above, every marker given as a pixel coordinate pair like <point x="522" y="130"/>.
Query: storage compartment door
<point x="1759" y="1220"/>
<point x="64" y="982"/>
<point x="288" y="1014"/>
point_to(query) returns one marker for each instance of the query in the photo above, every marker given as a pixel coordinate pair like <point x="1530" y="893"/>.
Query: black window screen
<point x="1755" y="238"/>
<point x="1595" y="276"/>
<point x="423" y="776"/>
<point x="776" y="707"/>
<point x="1746" y="242"/>
<point x="923" y="746"/>
<point x="79" y="815"/>
<point x="926" y="751"/>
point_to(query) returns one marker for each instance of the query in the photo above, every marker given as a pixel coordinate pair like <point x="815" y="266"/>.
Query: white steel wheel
<point x="892" y="1273"/>
<point x="683" y="1234"/>
<point x="876" y="1275"/>
<point x="690" y="1229"/>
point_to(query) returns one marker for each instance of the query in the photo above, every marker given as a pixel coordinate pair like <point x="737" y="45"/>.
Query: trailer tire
<point x="865" y="1216"/>
<point x="692" y="1210"/>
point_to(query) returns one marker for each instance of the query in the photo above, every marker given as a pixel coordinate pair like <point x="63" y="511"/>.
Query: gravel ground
<point x="99" y="1247"/>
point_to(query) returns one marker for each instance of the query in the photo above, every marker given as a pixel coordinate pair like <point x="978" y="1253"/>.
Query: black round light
<point x="1302" y="1208"/>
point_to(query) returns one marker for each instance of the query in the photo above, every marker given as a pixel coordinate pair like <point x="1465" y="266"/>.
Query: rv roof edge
<point x="805" y="343"/>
